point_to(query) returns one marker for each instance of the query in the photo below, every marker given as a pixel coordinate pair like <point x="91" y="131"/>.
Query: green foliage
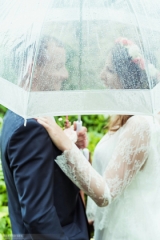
<point x="2" y="112"/>
<point x="5" y="225"/>
<point x="95" y="125"/>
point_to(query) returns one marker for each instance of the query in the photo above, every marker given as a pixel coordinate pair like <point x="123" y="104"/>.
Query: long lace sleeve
<point x="129" y="157"/>
<point x="91" y="205"/>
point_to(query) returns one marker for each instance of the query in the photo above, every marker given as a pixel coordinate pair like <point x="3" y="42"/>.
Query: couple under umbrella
<point x="123" y="190"/>
<point x="44" y="169"/>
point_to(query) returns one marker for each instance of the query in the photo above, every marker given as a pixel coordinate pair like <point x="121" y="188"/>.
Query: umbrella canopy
<point x="80" y="57"/>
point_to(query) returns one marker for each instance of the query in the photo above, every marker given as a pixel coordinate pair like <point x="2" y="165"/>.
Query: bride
<point x="126" y="189"/>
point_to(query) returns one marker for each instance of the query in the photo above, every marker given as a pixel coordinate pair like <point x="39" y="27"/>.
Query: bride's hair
<point x="131" y="70"/>
<point x="118" y="121"/>
<point x="129" y="73"/>
<point x="132" y="74"/>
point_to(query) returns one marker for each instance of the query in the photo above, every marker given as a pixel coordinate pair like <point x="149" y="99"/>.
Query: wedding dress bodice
<point x="126" y="182"/>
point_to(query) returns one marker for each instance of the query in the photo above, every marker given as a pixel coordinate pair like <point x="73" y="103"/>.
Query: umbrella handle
<point x="78" y="125"/>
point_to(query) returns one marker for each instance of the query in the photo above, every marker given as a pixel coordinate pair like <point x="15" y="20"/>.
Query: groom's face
<point x="51" y="72"/>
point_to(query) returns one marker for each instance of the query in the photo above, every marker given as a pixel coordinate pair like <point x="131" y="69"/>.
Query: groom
<point x="43" y="203"/>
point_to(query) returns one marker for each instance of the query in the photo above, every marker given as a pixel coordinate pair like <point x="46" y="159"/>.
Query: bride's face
<point x="109" y="76"/>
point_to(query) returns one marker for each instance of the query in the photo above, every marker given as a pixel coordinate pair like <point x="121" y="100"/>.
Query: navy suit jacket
<point x="43" y="202"/>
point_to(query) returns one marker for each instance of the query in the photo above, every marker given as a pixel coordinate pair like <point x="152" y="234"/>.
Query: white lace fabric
<point x="79" y="170"/>
<point x="129" y="155"/>
<point x="128" y="158"/>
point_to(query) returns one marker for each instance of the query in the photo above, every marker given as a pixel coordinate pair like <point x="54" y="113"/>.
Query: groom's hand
<point x="82" y="139"/>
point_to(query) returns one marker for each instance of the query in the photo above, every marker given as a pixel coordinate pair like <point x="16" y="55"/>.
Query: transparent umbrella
<point x="64" y="57"/>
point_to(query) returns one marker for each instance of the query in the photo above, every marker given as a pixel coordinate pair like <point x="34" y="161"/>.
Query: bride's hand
<point x="82" y="139"/>
<point x="57" y="135"/>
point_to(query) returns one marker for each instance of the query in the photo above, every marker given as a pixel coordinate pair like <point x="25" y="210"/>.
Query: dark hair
<point x="21" y="51"/>
<point x="24" y="53"/>
<point x="42" y="56"/>
<point x="131" y="76"/>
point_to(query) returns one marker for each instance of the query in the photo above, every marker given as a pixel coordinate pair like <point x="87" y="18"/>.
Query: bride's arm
<point x="130" y="154"/>
<point x="79" y="170"/>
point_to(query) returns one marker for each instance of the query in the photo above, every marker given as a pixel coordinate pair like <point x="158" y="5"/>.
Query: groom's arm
<point x="31" y="152"/>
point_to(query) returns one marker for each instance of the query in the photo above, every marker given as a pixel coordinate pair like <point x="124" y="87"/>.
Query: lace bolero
<point x="128" y="158"/>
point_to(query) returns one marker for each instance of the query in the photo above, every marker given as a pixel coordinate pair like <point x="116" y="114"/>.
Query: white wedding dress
<point x="126" y="182"/>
